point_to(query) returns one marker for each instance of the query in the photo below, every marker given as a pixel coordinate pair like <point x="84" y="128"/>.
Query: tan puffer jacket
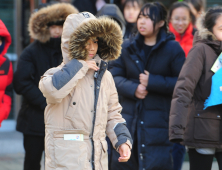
<point x="78" y="103"/>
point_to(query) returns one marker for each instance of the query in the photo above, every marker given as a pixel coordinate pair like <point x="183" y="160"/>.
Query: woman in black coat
<point x="145" y="76"/>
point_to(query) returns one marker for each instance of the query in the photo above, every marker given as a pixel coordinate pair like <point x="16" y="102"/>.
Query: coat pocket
<point x="104" y="155"/>
<point x="69" y="154"/>
<point x="74" y="102"/>
<point x="207" y="128"/>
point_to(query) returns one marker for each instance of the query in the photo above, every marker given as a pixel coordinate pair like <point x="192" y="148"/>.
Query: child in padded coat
<point x="82" y="99"/>
<point x="45" y="27"/>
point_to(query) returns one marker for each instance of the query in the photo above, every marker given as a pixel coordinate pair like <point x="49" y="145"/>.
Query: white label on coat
<point x="77" y="137"/>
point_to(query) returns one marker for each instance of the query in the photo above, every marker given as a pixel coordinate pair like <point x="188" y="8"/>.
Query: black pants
<point x="34" y="147"/>
<point x="203" y="162"/>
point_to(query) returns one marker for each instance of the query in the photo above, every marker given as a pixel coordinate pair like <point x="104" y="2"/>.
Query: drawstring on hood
<point x="79" y="28"/>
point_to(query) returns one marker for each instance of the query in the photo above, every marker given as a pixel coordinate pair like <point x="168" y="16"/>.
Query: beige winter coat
<point x="78" y="103"/>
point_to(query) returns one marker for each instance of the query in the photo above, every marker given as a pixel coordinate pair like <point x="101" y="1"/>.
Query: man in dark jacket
<point x="6" y="74"/>
<point x="45" y="26"/>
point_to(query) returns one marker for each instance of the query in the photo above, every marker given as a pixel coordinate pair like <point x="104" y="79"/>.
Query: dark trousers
<point x="178" y="156"/>
<point x="34" y="147"/>
<point x="203" y="162"/>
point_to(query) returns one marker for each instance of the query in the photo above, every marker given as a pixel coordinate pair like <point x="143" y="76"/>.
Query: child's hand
<point x="92" y="65"/>
<point x="124" y="151"/>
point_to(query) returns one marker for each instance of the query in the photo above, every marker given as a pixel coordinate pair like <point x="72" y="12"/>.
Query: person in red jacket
<point x="181" y="22"/>
<point x="6" y="74"/>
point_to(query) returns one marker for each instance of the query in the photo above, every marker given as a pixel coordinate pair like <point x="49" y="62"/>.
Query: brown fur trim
<point x="106" y="30"/>
<point x="38" y="28"/>
<point x="203" y="32"/>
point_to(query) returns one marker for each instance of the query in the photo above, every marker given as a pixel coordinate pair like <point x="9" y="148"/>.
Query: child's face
<point x="180" y="19"/>
<point x="92" y="47"/>
<point x="145" y="25"/>
<point x="55" y="31"/>
<point x="131" y="11"/>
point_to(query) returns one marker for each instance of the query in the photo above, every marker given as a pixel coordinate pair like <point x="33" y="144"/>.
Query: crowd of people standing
<point x="132" y="84"/>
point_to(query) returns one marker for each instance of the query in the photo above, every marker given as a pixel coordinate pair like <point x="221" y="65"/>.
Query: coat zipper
<point x="94" y="119"/>
<point x="96" y="87"/>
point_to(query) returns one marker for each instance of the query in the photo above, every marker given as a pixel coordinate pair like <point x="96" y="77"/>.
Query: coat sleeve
<point x="163" y="84"/>
<point x="116" y="126"/>
<point x="23" y="82"/>
<point x="183" y="93"/>
<point x="124" y="86"/>
<point x="58" y="82"/>
<point x="7" y="97"/>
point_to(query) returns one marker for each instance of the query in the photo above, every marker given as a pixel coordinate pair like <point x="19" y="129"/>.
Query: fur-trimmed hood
<point x="38" y="22"/>
<point x="203" y="35"/>
<point x="203" y="32"/>
<point x="79" y="28"/>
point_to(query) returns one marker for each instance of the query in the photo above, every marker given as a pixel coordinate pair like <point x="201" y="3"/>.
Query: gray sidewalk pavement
<point x="12" y="153"/>
<point x="14" y="162"/>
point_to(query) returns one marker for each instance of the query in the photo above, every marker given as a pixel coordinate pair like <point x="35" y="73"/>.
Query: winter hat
<point x="54" y="14"/>
<point x="215" y="97"/>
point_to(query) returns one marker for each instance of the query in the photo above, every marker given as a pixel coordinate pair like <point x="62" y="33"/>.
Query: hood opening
<point x="6" y="36"/>
<point x="78" y="29"/>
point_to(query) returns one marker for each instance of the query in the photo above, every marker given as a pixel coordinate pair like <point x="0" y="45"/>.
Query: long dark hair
<point x="156" y="12"/>
<point x="176" y="5"/>
<point x="210" y="18"/>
